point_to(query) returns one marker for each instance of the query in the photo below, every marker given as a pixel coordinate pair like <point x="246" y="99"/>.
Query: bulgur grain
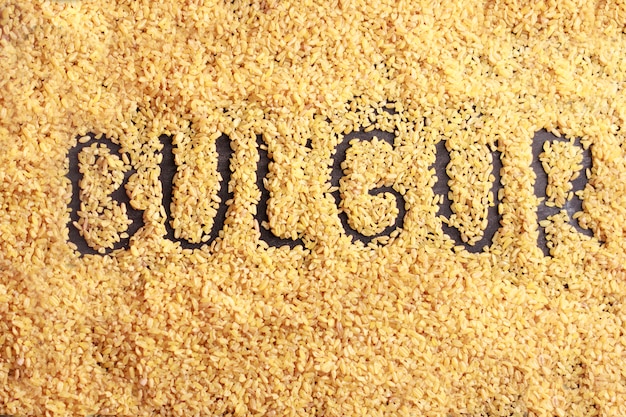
<point x="408" y="323"/>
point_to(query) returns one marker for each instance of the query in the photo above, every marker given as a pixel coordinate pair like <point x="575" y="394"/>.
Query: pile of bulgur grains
<point x="411" y="324"/>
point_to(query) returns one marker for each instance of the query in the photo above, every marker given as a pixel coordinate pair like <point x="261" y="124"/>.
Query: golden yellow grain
<point x="409" y="324"/>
